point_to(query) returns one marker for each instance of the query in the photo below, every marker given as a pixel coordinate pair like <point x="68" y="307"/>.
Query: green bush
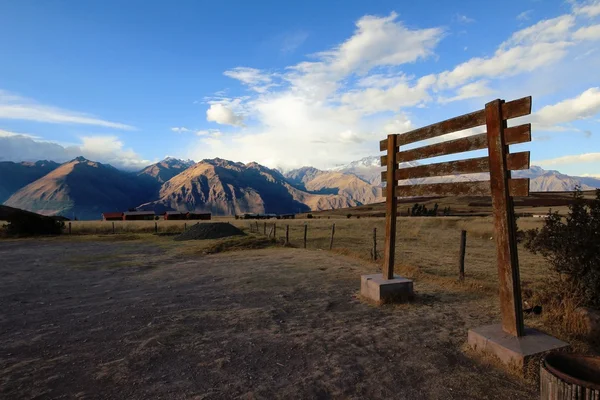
<point x="349" y="216"/>
<point x="572" y="248"/>
<point x="26" y="224"/>
<point x="309" y="216"/>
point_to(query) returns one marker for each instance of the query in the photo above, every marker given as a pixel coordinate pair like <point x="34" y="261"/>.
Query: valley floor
<point x="152" y="318"/>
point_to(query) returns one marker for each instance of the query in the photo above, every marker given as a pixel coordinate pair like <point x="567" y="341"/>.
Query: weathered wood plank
<point x="517" y="187"/>
<point x="512" y="109"/>
<point x="513" y="135"/>
<point x="391" y="210"/>
<point x="470" y="166"/>
<point x="515" y="161"/>
<point x="504" y="219"/>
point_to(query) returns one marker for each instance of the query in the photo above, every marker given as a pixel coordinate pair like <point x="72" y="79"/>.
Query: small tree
<point x="572" y="247"/>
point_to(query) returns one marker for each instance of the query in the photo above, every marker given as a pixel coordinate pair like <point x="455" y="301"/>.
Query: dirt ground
<point x="136" y="320"/>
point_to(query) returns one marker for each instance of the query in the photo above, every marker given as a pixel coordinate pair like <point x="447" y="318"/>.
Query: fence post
<point x="408" y="212"/>
<point x="375" y="244"/>
<point x="185" y="226"/>
<point x="251" y="227"/>
<point x="257" y="227"/>
<point x="275" y="230"/>
<point x="305" y="231"/>
<point x="461" y="255"/>
<point x="391" y="209"/>
<point x="270" y="231"/>
<point x="511" y="307"/>
<point x="287" y="235"/>
<point x="113" y="227"/>
<point x="265" y="229"/>
<point x="155" y="227"/>
<point x="332" y="233"/>
<point x="69" y="228"/>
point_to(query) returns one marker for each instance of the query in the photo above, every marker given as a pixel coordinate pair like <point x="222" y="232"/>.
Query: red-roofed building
<point x="112" y="216"/>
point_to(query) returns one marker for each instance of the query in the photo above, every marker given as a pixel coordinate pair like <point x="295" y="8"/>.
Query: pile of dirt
<point x="211" y="230"/>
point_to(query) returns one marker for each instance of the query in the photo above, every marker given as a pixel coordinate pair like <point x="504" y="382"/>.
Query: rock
<point x="590" y="319"/>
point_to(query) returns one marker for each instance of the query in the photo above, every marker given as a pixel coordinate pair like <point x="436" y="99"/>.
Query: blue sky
<point x="288" y="84"/>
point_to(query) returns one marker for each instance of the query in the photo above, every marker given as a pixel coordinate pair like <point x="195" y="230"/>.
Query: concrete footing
<point x="380" y="290"/>
<point x="513" y="351"/>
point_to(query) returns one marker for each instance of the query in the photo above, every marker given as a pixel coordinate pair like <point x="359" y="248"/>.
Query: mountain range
<point x="84" y="189"/>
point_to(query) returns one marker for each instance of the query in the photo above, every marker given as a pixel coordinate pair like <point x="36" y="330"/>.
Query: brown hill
<point x="14" y="176"/>
<point x="347" y="185"/>
<point x="224" y="188"/>
<point x="81" y="188"/>
<point x="164" y="170"/>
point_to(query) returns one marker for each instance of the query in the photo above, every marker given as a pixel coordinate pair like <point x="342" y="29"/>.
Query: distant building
<point x="201" y="216"/>
<point x="138" y="215"/>
<point x="175" y="215"/>
<point x="112" y="216"/>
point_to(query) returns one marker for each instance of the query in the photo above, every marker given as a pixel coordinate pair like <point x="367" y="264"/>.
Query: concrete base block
<point x="516" y="352"/>
<point x="380" y="290"/>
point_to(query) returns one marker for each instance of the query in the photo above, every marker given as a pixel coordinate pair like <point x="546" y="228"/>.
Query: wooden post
<point x="270" y="231"/>
<point x="375" y="244"/>
<point x="155" y="227"/>
<point x="287" y="235"/>
<point x="275" y="230"/>
<point x="251" y="227"/>
<point x="69" y="228"/>
<point x="257" y="227"/>
<point x="332" y="233"/>
<point x="265" y="229"/>
<point x="506" y="244"/>
<point x="391" y="209"/>
<point x="185" y="226"/>
<point x="113" y="228"/>
<point x="305" y="231"/>
<point x="461" y="255"/>
<point x="408" y="212"/>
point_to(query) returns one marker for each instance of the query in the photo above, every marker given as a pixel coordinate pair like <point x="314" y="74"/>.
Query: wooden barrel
<point x="569" y="376"/>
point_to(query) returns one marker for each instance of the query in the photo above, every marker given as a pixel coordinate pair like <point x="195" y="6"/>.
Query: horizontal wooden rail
<point x="517" y="187"/>
<point x="513" y="135"/>
<point x="512" y="109"/>
<point x="515" y="161"/>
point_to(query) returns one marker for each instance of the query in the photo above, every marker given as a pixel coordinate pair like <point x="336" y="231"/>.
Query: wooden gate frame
<point x="501" y="186"/>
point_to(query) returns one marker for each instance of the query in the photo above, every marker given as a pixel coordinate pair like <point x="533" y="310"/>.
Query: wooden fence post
<point x="332" y="233"/>
<point x="69" y="228"/>
<point x="156" y="227"/>
<point x="185" y="226"/>
<point x="375" y="244"/>
<point x="270" y="231"/>
<point x="461" y="255"/>
<point x="275" y="230"/>
<point x="113" y="227"/>
<point x="265" y="229"/>
<point x="287" y="235"/>
<point x="257" y="227"/>
<point x="511" y="307"/>
<point x="391" y="209"/>
<point x="305" y="231"/>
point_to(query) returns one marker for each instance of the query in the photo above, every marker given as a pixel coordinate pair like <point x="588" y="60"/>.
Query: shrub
<point x="572" y="248"/>
<point x="349" y="216"/>
<point x="29" y="224"/>
<point x="309" y="216"/>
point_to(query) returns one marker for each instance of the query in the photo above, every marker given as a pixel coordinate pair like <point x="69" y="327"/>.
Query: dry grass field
<point x="138" y="315"/>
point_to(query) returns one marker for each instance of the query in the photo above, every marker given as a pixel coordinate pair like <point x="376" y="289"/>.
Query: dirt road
<point x="129" y="320"/>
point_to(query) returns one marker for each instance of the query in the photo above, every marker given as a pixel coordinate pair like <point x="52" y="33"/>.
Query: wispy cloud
<point x="463" y="19"/>
<point x="13" y="106"/>
<point x="571" y="159"/>
<point x="525" y="15"/>
<point x="292" y="41"/>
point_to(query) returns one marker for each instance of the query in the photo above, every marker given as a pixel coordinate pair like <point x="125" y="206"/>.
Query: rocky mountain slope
<point x="14" y="176"/>
<point x="344" y="184"/>
<point x="226" y="188"/>
<point x="81" y="188"/>
<point x="164" y="170"/>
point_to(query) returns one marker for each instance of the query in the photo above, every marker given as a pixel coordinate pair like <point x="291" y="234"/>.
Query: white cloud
<point x="588" y="33"/>
<point x="463" y="19"/>
<point x="223" y="115"/>
<point x="584" y="106"/>
<point x="589" y="8"/>
<point x="180" y="129"/>
<point x="4" y="133"/>
<point x="105" y="149"/>
<point x="252" y="77"/>
<point x="292" y="41"/>
<point x="571" y="159"/>
<point x="524" y="16"/>
<point x="468" y="91"/>
<point x="13" y="106"/>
